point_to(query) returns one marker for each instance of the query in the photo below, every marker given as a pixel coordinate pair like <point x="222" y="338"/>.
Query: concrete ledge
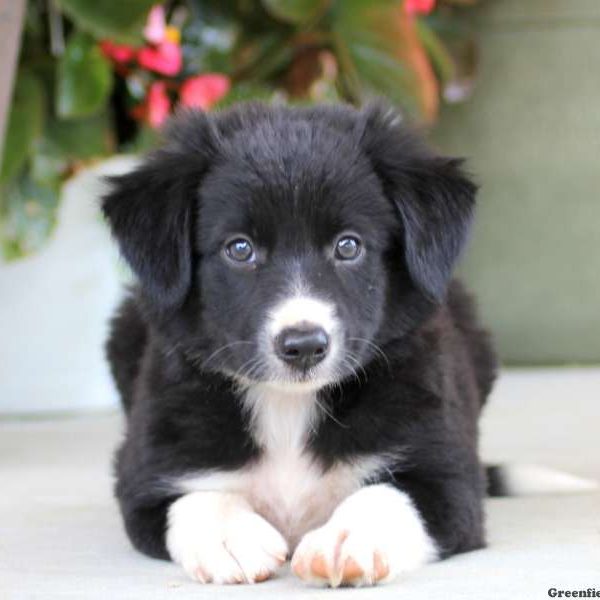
<point x="61" y="535"/>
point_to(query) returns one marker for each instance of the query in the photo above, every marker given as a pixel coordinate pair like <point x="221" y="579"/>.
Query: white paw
<point x="375" y="535"/>
<point x="217" y="537"/>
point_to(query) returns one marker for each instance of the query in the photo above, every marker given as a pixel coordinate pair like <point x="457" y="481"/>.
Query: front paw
<point x="374" y="536"/>
<point x="217" y="537"/>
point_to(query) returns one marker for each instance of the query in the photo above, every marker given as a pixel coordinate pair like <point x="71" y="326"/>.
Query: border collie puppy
<point x="301" y="378"/>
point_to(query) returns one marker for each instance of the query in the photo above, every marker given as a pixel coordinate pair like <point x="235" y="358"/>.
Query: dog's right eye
<point x="348" y="248"/>
<point x="240" y="250"/>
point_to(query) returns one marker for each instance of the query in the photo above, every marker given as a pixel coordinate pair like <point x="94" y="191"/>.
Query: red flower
<point x="204" y="91"/>
<point x="419" y="7"/>
<point x="156" y="106"/>
<point x="119" y="53"/>
<point x="166" y="58"/>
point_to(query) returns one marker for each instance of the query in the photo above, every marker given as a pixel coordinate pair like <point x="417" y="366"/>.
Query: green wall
<point x="531" y="134"/>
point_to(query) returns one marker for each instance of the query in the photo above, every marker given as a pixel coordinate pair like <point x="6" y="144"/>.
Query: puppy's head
<point x="286" y="246"/>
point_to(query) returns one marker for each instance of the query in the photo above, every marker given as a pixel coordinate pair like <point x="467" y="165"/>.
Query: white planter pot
<point x="55" y="307"/>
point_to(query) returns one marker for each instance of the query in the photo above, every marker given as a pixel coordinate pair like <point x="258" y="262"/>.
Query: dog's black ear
<point x="434" y="198"/>
<point x="151" y="210"/>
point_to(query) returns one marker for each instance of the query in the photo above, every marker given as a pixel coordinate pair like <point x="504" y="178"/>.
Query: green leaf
<point x="367" y="52"/>
<point x="296" y="12"/>
<point x="120" y="20"/>
<point x="84" y="80"/>
<point x="379" y="53"/>
<point x="146" y="139"/>
<point x="25" y="124"/>
<point x="259" y="56"/>
<point x="207" y="41"/>
<point x="28" y="216"/>
<point x="246" y="92"/>
<point x="440" y="57"/>
<point x="79" y="140"/>
<point x="47" y="167"/>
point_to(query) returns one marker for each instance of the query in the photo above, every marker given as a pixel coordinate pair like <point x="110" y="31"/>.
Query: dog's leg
<point x="373" y="536"/>
<point x="217" y="537"/>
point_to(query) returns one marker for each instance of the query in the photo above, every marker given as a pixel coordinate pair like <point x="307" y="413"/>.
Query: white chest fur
<point x="286" y="485"/>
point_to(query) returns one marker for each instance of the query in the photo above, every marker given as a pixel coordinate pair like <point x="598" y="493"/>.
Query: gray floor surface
<point x="61" y="536"/>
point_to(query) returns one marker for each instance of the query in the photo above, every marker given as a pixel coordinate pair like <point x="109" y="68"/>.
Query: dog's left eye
<point x="240" y="250"/>
<point x="348" y="247"/>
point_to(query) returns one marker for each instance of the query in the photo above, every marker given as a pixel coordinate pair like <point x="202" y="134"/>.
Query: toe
<point x="262" y="576"/>
<point x="351" y="570"/>
<point x="381" y="568"/>
<point x="319" y="567"/>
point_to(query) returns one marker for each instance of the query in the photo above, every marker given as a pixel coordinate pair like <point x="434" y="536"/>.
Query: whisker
<point x="253" y="368"/>
<point x="222" y="349"/>
<point x="239" y="372"/>
<point x="170" y="351"/>
<point x="374" y="346"/>
<point x="358" y="364"/>
<point x="329" y="414"/>
<point x="352" y="369"/>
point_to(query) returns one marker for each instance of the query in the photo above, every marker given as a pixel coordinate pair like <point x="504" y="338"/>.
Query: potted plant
<point x="97" y="79"/>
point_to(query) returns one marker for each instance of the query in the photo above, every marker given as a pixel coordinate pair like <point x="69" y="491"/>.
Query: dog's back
<point x="478" y="341"/>
<point x="125" y="349"/>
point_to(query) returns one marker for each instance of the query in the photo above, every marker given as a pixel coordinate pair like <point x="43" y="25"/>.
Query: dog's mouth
<point x="315" y="367"/>
<point x="288" y="378"/>
<point x="343" y="361"/>
<point x="295" y="372"/>
<point x="302" y="346"/>
<point x="304" y="358"/>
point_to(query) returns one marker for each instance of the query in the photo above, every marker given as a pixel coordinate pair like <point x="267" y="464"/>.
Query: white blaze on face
<point x="304" y="311"/>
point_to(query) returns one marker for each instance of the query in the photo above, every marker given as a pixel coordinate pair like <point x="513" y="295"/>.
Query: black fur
<point x="293" y="178"/>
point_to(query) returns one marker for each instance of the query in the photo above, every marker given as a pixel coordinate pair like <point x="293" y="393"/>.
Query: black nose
<point x="302" y="348"/>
